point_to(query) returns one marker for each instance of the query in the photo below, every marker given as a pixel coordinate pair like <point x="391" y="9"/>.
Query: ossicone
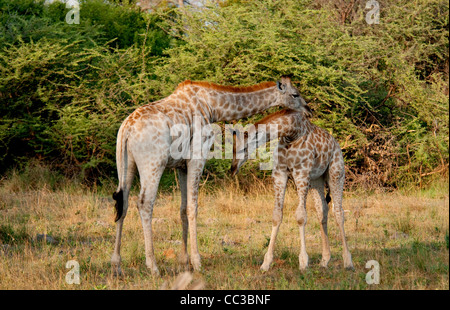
<point x="281" y="87"/>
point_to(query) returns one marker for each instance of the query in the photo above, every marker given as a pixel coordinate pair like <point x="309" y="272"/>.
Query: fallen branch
<point x="435" y="171"/>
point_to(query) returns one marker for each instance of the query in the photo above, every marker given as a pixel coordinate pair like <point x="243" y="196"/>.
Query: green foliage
<point x="381" y="90"/>
<point x="64" y="89"/>
<point x="24" y="21"/>
<point x="86" y="129"/>
<point x="124" y="24"/>
<point x="34" y="77"/>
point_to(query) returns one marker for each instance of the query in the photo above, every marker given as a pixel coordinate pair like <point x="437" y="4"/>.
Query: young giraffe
<point x="144" y="143"/>
<point x="313" y="157"/>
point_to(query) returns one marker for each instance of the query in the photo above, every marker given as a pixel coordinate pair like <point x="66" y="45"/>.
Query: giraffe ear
<point x="281" y="87"/>
<point x="307" y="112"/>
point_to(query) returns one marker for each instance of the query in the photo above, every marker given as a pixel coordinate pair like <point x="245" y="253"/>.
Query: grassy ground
<point x="406" y="232"/>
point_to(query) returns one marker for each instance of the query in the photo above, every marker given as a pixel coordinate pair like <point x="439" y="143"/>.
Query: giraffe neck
<point x="235" y="106"/>
<point x="289" y="123"/>
<point x="231" y="103"/>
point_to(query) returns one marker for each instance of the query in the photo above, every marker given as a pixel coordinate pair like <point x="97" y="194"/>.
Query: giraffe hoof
<point x="303" y="262"/>
<point x="153" y="269"/>
<point x="324" y="262"/>
<point x="268" y="258"/>
<point x="196" y="264"/>
<point x="184" y="264"/>
<point x="349" y="267"/>
<point x="116" y="271"/>
<point x="265" y="267"/>
<point x="155" y="272"/>
<point x="348" y="264"/>
<point x="197" y="267"/>
<point x="303" y="268"/>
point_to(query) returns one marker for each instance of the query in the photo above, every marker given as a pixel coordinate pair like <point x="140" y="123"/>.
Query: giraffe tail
<point x="122" y="167"/>
<point x="328" y="197"/>
<point x="118" y="197"/>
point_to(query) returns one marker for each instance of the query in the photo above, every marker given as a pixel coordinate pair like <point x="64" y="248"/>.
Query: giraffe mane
<point x="306" y="112"/>
<point x="273" y="116"/>
<point x="232" y="89"/>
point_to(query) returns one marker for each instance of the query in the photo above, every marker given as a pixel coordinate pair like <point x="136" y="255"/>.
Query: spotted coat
<point x="144" y="144"/>
<point x="313" y="158"/>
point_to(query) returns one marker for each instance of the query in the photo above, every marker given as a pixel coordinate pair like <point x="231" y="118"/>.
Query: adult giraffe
<point x="145" y="142"/>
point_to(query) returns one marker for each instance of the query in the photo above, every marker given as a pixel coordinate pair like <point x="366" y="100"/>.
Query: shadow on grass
<point x="412" y="265"/>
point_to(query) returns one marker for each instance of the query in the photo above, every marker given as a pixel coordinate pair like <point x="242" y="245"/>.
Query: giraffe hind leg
<point x="149" y="187"/>
<point x="182" y="175"/>
<point x="279" y="181"/>
<point x="321" y="205"/>
<point x="121" y="207"/>
<point x="336" y="180"/>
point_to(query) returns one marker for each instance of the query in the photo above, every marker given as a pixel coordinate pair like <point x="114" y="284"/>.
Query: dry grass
<point x="407" y="233"/>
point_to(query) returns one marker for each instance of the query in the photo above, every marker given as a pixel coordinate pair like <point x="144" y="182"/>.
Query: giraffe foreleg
<point x="336" y="184"/>
<point x="182" y="176"/>
<point x="302" y="183"/>
<point x="194" y="173"/>
<point x="279" y="181"/>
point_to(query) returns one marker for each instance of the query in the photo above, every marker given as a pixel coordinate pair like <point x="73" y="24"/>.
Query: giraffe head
<point x="245" y="143"/>
<point x="289" y="96"/>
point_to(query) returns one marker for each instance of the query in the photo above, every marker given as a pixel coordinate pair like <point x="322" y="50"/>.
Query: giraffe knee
<point x="277" y="217"/>
<point x="301" y="220"/>
<point x="338" y="213"/>
<point x="300" y="216"/>
<point x="191" y="212"/>
<point x="183" y="210"/>
<point x="141" y="201"/>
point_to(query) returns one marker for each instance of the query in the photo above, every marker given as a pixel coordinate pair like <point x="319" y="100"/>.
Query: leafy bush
<point x="64" y="88"/>
<point x="381" y="90"/>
